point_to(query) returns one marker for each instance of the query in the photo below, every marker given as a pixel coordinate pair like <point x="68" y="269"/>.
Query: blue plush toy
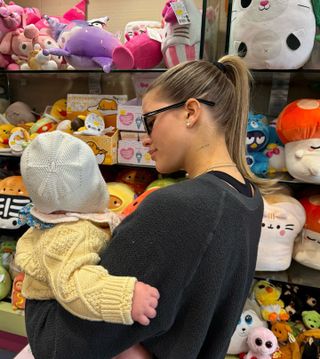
<point x="256" y="141"/>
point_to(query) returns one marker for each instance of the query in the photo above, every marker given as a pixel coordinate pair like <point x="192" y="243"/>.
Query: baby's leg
<point x="135" y="352"/>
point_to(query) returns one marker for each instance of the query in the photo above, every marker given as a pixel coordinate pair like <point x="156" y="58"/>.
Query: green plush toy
<point x="5" y="283"/>
<point x="311" y="319"/>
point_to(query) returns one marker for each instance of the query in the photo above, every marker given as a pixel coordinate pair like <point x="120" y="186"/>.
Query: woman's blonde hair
<point x="227" y="84"/>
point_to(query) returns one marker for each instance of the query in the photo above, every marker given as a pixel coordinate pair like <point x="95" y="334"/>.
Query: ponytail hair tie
<point x="220" y="66"/>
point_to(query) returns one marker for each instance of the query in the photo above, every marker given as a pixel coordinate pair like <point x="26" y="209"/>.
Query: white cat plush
<point x="283" y="219"/>
<point x="272" y="34"/>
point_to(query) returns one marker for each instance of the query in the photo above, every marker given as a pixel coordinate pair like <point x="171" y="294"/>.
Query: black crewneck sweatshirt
<point x="196" y="241"/>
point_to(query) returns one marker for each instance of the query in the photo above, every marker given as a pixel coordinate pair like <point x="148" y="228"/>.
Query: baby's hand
<point x="144" y="303"/>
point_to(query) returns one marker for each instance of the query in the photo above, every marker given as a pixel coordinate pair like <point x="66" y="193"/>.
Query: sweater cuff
<point x="116" y="303"/>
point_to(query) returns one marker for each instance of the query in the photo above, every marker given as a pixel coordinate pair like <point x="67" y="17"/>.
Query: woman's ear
<point x="193" y="110"/>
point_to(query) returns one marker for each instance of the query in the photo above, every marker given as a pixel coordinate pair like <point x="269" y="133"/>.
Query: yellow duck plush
<point x="267" y="295"/>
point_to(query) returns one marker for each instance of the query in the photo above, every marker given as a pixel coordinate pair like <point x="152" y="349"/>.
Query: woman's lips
<point x="151" y="153"/>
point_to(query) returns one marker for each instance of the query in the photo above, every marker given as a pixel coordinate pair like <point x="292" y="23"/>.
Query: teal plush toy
<point x="256" y="141"/>
<point x="5" y="283"/>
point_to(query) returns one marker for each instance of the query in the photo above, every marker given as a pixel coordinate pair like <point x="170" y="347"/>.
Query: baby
<point x="70" y="224"/>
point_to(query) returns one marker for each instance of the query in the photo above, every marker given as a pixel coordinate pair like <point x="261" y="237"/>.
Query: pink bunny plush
<point x="262" y="343"/>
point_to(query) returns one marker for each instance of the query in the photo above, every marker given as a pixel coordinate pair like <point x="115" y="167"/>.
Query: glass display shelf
<point x="296" y="274"/>
<point x="2" y="71"/>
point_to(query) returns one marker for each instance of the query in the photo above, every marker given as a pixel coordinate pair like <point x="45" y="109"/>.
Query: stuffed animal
<point x="137" y="178"/>
<point x="307" y="249"/>
<point x="275" y="151"/>
<point x="267" y="295"/>
<point x="5" y="282"/>
<point x="256" y="141"/>
<point x="311" y="319"/>
<point x="182" y="36"/>
<point x="140" y="27"/>
<point x="18" y="301"/>
<point x="272" y="34"/>
<point x="88" y="47"/>
<point x="289" y="348"/>
<point x="15" y="44"/>
<point x="262" y="343"/>
<point x="19" y="113"/>
<point x="13" y="196"/>
<point x="283" y="219"/>
<point x="38" y="61"/>
<point x="249" y="319"/>
<point x="121" y="195"/>
<point x="5" y="132"/>
<point x="140" y="51"/>
<point x="41" y="39"/>
<point x="298" y="127"/>
<point x="293" y="303"/>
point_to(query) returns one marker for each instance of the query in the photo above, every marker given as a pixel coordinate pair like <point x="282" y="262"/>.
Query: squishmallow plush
<point x="272" y="34"/>
<point x="283" y="219"/>
<point x="307" y="249"/>
<point x="298" y="127"/>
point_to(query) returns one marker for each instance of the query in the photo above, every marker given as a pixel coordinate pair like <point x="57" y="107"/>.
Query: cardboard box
<point x="133" y="152"/>
<point x="104" y="147"/>
<point x="107" y="105"/>
<point x="129" y="118"/>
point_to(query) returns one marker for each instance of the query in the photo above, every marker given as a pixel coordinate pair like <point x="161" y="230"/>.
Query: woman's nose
<point x="146" y="141"/>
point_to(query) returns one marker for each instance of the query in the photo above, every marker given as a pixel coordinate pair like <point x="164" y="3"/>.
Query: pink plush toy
<point x="139" y="52"/>
<point x="14" y="43"/>
<point x="262" y="343"/>
<point x="181" y="42"/>
<point x="45" y="41"/>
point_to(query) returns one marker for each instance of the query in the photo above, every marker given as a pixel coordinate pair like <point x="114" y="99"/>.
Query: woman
<point x="196" y="241"/>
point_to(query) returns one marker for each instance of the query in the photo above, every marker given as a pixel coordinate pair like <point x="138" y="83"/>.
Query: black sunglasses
<point x="149" y="117"/>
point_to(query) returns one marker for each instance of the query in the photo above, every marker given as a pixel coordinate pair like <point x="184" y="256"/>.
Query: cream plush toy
<point x="272" y="34"/>
<point x="283" y="219"/>
<point x="298" y="127"/>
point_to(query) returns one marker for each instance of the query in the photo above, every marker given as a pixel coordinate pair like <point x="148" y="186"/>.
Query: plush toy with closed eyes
<point x="272" y="34"/>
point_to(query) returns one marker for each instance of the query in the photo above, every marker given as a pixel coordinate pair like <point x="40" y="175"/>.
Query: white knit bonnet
<point x="61" y="173"/>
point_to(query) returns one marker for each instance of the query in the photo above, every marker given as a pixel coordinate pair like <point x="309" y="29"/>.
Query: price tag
<point x="181" y="13"/>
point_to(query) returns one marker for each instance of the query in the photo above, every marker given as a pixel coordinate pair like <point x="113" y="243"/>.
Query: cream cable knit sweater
<point x="61" y="263"/>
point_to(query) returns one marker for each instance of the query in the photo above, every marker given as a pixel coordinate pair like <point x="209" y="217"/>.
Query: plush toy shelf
<point x="11" y="321"/>
<point x="297" y="274"/>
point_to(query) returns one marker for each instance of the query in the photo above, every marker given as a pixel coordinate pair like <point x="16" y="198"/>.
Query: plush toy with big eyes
<point x="307" y="249"/>
<point x="262" y="343"/>
<point x="249" y="319"/>
<point x="298" y="127"/>
<point x="121" y="195"/>
<point x="13" y="196"/>
<point x="256" y="141"/>
<point x="272" y="34"/>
